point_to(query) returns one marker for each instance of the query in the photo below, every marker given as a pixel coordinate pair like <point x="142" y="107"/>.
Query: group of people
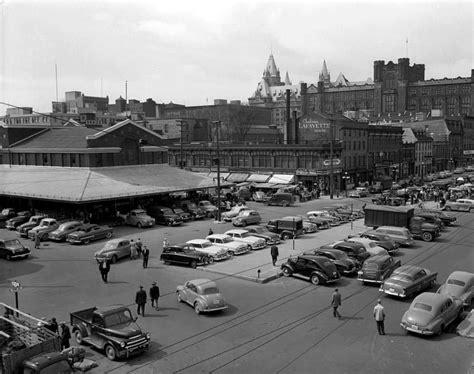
<point x="60" y="329"/>
<point x="141" y="298"/>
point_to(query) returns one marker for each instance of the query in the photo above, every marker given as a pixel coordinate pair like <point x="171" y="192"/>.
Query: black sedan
<point x="12" y="248"/>
<point x="317" y="268"/>
<point x="354" y="250"/>
<point x="344" y="264"/>
<point x="184" y="254"/>
<point x="382" y="240"/>
<point x="88" y="233"/>
<point x="20" y="219"/>
<point x="264" y="233"/>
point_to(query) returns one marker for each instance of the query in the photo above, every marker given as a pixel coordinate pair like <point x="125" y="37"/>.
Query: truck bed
<point x="82" y="316"/>
<point x="385" y="215"/>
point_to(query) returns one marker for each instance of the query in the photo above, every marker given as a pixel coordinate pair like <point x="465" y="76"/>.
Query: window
<point x="425" y="104"/>
<point x="261" y="161"/>
<point x="465" y="105"/>
<point x="452" y="105"/>
<point x="389" y="103"/>
<point x="285" y="161"/>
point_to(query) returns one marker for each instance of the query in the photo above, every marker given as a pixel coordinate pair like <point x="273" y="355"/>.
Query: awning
<point x="237" y="177"/>
<point x="259" y="178"/>
<point x="282" y="178"/>
<point x="269" y="185"/>
<point x="213" y="175"/>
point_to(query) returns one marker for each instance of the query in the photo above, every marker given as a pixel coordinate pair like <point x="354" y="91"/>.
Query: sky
<point x="193" y="52"/>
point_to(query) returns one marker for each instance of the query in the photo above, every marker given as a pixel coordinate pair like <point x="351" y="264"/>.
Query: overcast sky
<point x="192" y="52"/>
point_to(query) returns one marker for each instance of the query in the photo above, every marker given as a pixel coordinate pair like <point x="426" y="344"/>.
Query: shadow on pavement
<point x="8" y="270"/>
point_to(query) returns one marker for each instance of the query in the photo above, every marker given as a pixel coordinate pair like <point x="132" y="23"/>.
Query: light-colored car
<point x="208" y="207"/>
<point x="253" y="242"/>
<point x="234" y="212"/>
<point x="247" y="217"/>
<point x="263" y="232"/>
<point x="202" y="294"/>
<point x="370" y="246"/>
<point x="205" y="246"/>
<point x="460" y="284"/>
<point x="309" y="227"/>
<point x="138" y="218"/>
<point x="460" y="205"/>
<point x="228" y="243"/>
<point x="333" y="221"/>
<point x="46" y="226"/>
<point x="114" y="250"/>
<point x="408" y="280"/>
<point x="64" y="229"/>
<point x="430" y="313"/>
<point x="400" y="235"/>
<point x="359" y="192"/>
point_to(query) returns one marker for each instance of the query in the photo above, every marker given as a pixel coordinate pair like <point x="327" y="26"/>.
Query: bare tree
<point x="241" y="122"/>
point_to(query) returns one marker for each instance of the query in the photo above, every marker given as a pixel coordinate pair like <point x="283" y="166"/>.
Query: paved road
<point x="282" y="326"/>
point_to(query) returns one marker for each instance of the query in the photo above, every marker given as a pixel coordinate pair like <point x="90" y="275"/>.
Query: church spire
<point x="271" y="66"/>
<point x="287" y="79"/>
<point x="324" y="75"/>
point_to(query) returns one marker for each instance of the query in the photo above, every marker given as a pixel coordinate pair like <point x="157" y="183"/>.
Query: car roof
<point x="391" y="228"/>
<point x="461" y="275"/>
<point x="200" y="241"/>
<point x="236" y="231"/>
<point x="118" y="240"/>
<point x="330" y="250"/>
<point x="378" y="258"/>
<point x="408" y="269"/>
<point x="202" y="282"/>
<point x="436" y="300"/>
<point x="218" y="236"/>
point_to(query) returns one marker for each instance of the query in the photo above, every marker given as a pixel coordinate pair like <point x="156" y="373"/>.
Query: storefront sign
<point x="315" y="125"/>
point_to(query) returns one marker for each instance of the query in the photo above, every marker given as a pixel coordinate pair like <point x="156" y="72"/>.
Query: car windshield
<point x="421" y="306"/>
<point x="13" y="243"/>
<point x="167" y="210"/>
<point x="370" y="266"/>
<point x="210" y="291"/>
<point x="456" y="282"/>
<point x="178" y="210"/>
<point x="111" y="245"/>
<point x="118" y="318"/>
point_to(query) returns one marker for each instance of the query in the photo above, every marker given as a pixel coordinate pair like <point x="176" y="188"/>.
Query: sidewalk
<point x="256" y="266"/>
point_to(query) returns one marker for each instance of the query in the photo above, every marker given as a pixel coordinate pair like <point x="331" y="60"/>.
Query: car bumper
<point x="221" y="257"/>
<point x="10" y="226"/>
<point x="214" y="309"/>
<point x="20" y="255"/>
<point x="259" y="246"/>
<point x="133" y="351"/>
<point x="392" y="292"/>
<point x="416" y="329"/>
<point x="368" y="280"/>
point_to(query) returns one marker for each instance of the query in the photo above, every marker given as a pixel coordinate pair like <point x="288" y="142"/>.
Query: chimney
<point x="289" y="132"/>
<point x="295" y="127"/>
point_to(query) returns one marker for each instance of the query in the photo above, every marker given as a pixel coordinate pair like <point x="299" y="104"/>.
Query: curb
<point x="244" y="277"/>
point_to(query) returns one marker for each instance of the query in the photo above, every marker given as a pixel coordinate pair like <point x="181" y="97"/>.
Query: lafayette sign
<point x="315" y="125"/>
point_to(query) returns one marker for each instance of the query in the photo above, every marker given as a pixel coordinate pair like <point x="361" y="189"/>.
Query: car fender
<point x="320" y="274"/>
<point x="289" y="266"/>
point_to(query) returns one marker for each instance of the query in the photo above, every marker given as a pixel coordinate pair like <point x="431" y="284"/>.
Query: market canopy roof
<point x="237" y="177"/>
<point x="282" y="178"/>
<point x="259" y="178"/>
<point x="81" y="185"/>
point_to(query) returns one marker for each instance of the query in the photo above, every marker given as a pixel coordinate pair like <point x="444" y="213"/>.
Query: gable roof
<point x="117" y="126"/>
<point x="57" y="137"/>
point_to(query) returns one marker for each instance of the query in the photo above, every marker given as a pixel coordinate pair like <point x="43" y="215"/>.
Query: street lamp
<point x="218" y="126"/>
<point x="346" y="178"/>
<point x="181" y="123"/>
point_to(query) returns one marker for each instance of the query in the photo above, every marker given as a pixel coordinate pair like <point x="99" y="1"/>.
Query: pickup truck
<point x="33" y="222"/>
<point x="401" y="216"/>
<point x="46" y="226"/>
<point x="111" y="329"/>
<point x="138" y="218"/>
<point x="286" y="227"/>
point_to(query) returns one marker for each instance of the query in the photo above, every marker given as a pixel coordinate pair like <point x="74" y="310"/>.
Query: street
<point x="284" y="326"/>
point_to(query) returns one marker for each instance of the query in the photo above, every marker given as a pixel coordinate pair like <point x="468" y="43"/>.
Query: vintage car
<point x="359" y="192"/>
<point x="382" y="240"/>
<point x="185" y="216"/>
<point x="400" y="235"/>
<point x="63" y="230"/>
<point x="446" y="218"/>
<point x="11" y="249"/>
<point x="234" y="212"/>
<point x="408" y="280"/>
<point x="370" y="246"/>
<point x="114" y="250"/>
<point x="259" y="196"/>
<point x="138" y="218"/>
<point x="264" y="233"/>
<point x="346" y="210"/>
<point x="88" y="233"/>
<point x="253" y="242"/>
<point x="21" y="218"/>
<point x="205" y="205"/>
<point x="352" y="249"/>
<point x="431" y="218"/>
<point x="460" y="205"/>
<point x="344" y="264"/>
<point x="460" y="285"/>
<point x="42" y="231"/>
<point x="377" y="268"/>
<point x="228" y="243"/>
<point x="218" y="253"/>
<point x="247" y="217"/>
<point x="430" y="313"/>
<point x="317" y="268"/>
<point x="202" y="294"/>
<point x="309" y="227"/>
<point x="192" y="208"/>
<point x="185" y="254"/>
<point x="6" y="214"/>
<point x="333" y="221"/>
<point x="321" y="222"/>
<point x="164" y="216"/>
<point x="34" y="221"/>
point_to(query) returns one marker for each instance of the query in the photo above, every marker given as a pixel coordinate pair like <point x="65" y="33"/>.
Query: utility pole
<point x="181" y="122"/>
<point x="331" y="156"/>
<point x="218" y="125"/>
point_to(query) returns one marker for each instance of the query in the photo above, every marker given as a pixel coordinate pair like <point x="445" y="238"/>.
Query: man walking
<point x="154" y="295"/>
<point x="336" y="303"/>
<point x="274" y="253"/>
<point x="104" y="268"/>
<point x="140" y="300"/>
<point x="146" y="255"/>
<point x="165" y="243"/>
<point x="139" y="246"/>
<point x="379" y="315"/>
<point x="37" y="241"/>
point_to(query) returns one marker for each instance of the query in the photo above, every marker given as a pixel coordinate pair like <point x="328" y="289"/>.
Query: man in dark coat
<point x="146" y="255"/>
<point x="336" y="303"/>
<point x="140" y="300"/>
<point x="65" y="335"/>
<point x="154" y="295"/>
<point x="274" y="253"/>
<point x="104" y="268"/>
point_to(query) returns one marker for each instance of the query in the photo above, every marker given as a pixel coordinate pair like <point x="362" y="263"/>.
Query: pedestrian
<point x="336" y="303"/>
<point x="140" y="300"/>
<point x="146" y="255"/>
<point x="37" y="240"/>
<point x="139" y="245"/>
<point x="165" y="243"/>
<point x="65" y="335"/>
<point x="133" y="250"/>
<point x="274" y="253"/>
<point x="53" y="326"/>
<point x="104" y="268"/>
<point x="210" y="232"/>
<point x="154" y="295"/>
<point x="379" y="315"/>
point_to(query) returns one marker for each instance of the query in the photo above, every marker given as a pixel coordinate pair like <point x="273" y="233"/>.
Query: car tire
<point x="305" y="231"/>
<point x="110" y="352"/>
<point x="114" y="259"/>
<point x="210" y="260"/>
<point x="244" y="223"/>
<point x="8" y="257"/>
<point x="180" y="299"/>
<point x="286" y="272"/>
<point x="286" y="236"/>
<point x="315" y="279"/>
<point x="448" y="208"/>
<point x="108" y="235"/>
<point x="193" y="264"/>
<point x="139" y="225"/>
<point x="284" y="203"/>
<point x="197" y="308"/>
<point x="86" y="241"/>
<point x="78" y="337"/>
<point x="427" y="237"/>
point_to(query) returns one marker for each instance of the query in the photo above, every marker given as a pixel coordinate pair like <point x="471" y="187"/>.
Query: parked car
<point x="185" y="216"/>
<point x="446" y="218"/>
<point x="431" y="218"/>
<point x="11" y="249"/>
<point x="202" y="294"/>
<point x="185" y="254"/>
<point x="234" y="212"/>
<point x="333" y="221"/>
<point x="283" y="199"/>
<point x="259" y="196"/>
<point x="247" y="217"/>
<point x="205" y="205"/>
<point x="262" y="232"/>
<point x="228" y="243"/>
<point x="254" y="242"/>
<point x="408" y="280"/>
<point x="164" y="216"/>
<point x="61" y="233"/>
<point x="21" y="218"/>
<point x="218" y="253"/>
<point x="460" y="205"/>
<point x="377" y="268"/>
<point x="317" y="268"/>
<point x="138" y="218"/>
<point x="322" y="223"/>
<point x="344" y="264"/>
<point x="430" y="313"/>
<point x="193" y="209"/>
<point x="353" y="250"/>
<point x="382" y="240"/>
<point x="400" y="235"/>
<point x="370" y="246"/>
<point x="287" y="227"/>
<point x="46" y="226"/>
<point x="309" y="227"/>
<point x="359" y="192"/>
<point x="88" y="233"/>
<point x="114" y="250"/>
<point x="460" y="285"/>
<point x="6" y="214"/>
<point x="34" y="221"/>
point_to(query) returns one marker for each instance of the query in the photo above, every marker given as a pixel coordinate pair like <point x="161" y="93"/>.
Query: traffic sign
<point x="335" y="162"/>
<point x="16" y="286"/>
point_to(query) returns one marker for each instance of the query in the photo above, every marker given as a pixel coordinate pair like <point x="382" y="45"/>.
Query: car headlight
<point x="122" y="344"/>
<point x="148" y="336"/>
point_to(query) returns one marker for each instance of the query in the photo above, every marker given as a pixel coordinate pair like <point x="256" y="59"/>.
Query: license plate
<point x="391" y="289"/>
<point x="414" y="327"/>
